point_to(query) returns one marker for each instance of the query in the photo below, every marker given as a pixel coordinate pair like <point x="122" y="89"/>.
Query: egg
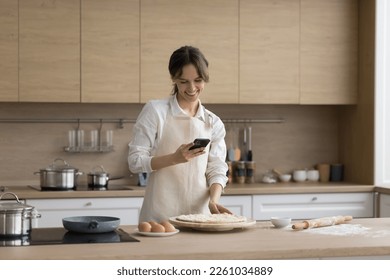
<point x="168" y="226"/>
<point x="145" y="227"/>
<point x="156" y="227"/>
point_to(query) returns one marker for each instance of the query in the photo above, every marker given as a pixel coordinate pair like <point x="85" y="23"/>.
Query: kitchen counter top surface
<point x="360" y="238"/>
<point x="28" y="192"/>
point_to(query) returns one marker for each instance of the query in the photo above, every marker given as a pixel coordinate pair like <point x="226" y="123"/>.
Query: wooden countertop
<point x="367" y="238"/>
<point x="25" y="192"/>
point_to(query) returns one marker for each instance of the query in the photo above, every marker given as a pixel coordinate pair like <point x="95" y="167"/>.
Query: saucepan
<point x="98" y="178"/>
<point x="91" y="224"/>
<point x="58" y="177"/>
<point x="16" y="217"/>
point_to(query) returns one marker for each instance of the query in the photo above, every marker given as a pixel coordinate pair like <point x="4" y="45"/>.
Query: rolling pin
<point x="322" y="222"/>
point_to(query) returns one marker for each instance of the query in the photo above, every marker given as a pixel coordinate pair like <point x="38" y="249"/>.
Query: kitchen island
<point x="360" y="238"/>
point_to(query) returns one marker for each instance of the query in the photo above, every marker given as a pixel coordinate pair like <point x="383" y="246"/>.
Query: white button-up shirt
<point x="148" y="130"/>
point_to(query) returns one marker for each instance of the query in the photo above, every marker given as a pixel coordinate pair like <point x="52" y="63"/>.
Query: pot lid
<point x="64" y="167"/>
<point x="100" y="172"/>
<point x="8" y="206"/>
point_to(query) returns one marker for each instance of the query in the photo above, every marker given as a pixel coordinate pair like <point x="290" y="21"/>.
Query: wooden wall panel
<point x="9" y="50"/>
<point x="49" y="50"/>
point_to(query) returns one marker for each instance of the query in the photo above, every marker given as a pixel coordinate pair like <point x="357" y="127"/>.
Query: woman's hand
<point x="216" y="208"/>
<point x="184" y="154"/>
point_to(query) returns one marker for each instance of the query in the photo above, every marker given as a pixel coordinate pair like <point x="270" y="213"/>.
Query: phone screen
<point x="200" y="142"/>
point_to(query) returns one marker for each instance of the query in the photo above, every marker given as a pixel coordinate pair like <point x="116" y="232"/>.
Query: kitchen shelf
<point x="86" y="149"/>
<point x="120" y="122"/>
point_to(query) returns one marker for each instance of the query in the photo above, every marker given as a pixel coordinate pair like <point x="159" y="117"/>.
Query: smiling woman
<point x="183" y="180"/>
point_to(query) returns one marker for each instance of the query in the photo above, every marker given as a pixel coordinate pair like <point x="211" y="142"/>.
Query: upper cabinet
<point x="329" y="51"/>
<point x="49" y="50"/>
<point x="110" y="51"/>
<point x="269" y="51"/>
<point x="212" y="26"/>
<point x="8" y="50"/>
<point x="259" y="51"/>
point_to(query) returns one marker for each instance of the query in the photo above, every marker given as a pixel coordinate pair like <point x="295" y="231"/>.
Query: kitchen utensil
<point x="300" y="175"/>
<point x="313" y="175"/>
<point x="62" y="177"/>
<point x="231" y="146"/>
<point x="280" y="222"/>
<point x="244" y="148"/>
<point x="277" y="172"/>
<point x="91" y="224"/>
<point x="285" y="178"/>
<point x="249" y="156"/>
<point x="322" y="222"/>
<point x="15" y="217"/>
<point x="212" y="227"/>
<point x="237" y="151"/>
<point x="98" y="179"/>
<point x="239" y="172"/>
<point x="324" y="169"/>
<point x="336" y="172"/>
<point x="158" y="234"/>
<point x="250" y="168"/>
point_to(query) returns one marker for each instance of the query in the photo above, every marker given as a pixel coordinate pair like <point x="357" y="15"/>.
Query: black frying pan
<point x="91" y="224"/>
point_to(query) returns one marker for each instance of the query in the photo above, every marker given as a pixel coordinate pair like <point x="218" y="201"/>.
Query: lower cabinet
<point x="384" y="205"/>
<point x="53" y="210"/>
<point x="309" y="206"/>
<point x="258" y="207"/>
<point x="238" y="204"/>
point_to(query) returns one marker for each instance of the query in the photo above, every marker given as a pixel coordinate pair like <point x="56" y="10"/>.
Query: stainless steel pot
<point x="98" y="179"/>
<point x="15" y="217"/>
<point x="59" y="176"/>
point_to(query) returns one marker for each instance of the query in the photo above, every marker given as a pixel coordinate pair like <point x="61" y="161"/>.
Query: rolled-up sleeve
<point x="217" y="167"/>
<point x="143" y="140"/>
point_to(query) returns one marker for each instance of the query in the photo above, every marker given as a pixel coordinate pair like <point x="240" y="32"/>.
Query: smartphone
<point x="200" y="142"/>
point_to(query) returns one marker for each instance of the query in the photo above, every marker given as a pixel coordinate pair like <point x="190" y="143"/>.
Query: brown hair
<point x="184" y="56"/>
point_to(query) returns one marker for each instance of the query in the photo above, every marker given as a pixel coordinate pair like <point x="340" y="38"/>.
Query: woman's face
<point x="190" y="85"/>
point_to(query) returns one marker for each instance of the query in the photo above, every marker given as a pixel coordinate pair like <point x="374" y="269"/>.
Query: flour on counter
<point x="347" y="230"/>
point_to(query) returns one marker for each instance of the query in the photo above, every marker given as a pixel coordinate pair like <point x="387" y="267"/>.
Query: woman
<point x="182" y="180"/>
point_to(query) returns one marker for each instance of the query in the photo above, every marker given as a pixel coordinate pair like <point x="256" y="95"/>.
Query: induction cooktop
<point x="59" y="236"/>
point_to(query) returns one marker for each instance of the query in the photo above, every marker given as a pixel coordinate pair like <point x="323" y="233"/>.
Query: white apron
<point x="181" y="188"/>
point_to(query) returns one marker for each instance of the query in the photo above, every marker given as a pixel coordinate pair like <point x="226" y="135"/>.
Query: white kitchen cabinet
<point x="384" y="205"/>
<point x="238" y="204"/>
<point x="53" y="210"/>
<point x="308" y="206"/>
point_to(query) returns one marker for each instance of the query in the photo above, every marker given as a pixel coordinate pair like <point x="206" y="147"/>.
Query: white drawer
<point x="53" y="210"/>
<point x="308" y="206"/>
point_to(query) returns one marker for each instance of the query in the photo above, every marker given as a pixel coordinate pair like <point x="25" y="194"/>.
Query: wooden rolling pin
<point x="322" y="222"/>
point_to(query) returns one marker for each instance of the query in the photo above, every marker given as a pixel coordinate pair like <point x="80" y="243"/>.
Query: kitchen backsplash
<point x="308" y="135"/>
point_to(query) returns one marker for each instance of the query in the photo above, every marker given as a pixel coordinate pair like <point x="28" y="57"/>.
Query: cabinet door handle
<point x="88" y="204"/>
<point x="314" y="198"/>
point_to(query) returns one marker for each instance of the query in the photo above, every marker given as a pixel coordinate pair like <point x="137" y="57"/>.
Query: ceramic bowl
<point x="280" y="222"/>
<point x="285" y="177"/>
<point x="300" y="175"/>
<point x="313" y="175"/>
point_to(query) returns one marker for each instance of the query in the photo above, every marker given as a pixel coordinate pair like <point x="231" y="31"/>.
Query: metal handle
<point x="314" y="198"/>
<point x="57" y="159"/>
<point x="93" y="224"/>
<point x="16" y="197"/>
